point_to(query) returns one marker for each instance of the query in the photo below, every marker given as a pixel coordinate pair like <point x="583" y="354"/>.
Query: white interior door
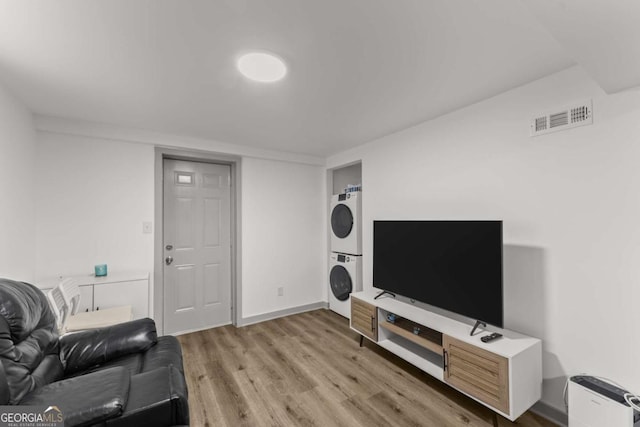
<point x="197" y="245"/>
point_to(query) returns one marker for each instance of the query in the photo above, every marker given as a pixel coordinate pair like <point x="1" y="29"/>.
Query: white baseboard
<point x="281" y="313"/>
<point x="188" y="331"/>
<point x="551" y="413"/>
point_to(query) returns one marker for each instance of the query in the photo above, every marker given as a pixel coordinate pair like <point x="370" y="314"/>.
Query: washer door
<point x="341" y="221"/>
<point x="340" y="282"/>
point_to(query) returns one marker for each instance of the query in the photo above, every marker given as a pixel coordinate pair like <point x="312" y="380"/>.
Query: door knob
<point x="168" y="260"/>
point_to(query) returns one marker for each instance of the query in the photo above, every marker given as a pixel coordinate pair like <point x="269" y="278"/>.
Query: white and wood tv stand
<point x="504" y="375"/>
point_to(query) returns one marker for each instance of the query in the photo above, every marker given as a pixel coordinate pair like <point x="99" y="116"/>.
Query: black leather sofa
<point x="124" y="375"/>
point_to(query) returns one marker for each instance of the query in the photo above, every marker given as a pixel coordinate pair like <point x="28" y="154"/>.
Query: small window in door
<point x="185" y="178"/>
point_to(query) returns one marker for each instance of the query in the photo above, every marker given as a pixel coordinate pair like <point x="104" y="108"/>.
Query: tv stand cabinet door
<point x="478" y="372"/>
<point x="364" y="318"/>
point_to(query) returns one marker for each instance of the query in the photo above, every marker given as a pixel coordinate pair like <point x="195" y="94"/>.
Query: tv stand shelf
<point x="426" y="337"/>
<point x="504" y="375"/>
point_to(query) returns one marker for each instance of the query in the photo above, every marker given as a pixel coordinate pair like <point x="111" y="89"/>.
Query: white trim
<point x="189" y="331"/>
<point x="266" y="316"/>
<point x="245" y="321"/>
<point x="117" y="133"/>
<point x="236" y="226"/>
<point x="550" y="413"/>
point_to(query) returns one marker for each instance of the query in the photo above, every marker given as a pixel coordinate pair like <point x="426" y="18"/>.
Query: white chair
<point x="59" y="308"/>
<point x="71" y="320"/>
<point x="70" y="292"/>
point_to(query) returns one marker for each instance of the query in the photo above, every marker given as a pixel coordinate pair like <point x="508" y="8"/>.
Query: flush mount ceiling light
<point x="262" y="67"/>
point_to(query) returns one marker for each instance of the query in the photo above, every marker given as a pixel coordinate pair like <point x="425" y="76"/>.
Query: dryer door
<point x="340" y="282"/>
<point x="341" y="221"/>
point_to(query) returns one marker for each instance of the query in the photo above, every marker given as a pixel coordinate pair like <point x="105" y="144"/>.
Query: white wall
<point x="92" y="197"/>
<point x="284" y="235"/>
<point x="345" y="176"/>
<point x="95" y="193"/>
<point x="17" y="194"/>
<point x="570" y="204"/>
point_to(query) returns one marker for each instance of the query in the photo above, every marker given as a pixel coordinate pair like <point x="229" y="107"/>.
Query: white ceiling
<point x="358" y="69"/>
<point x="603" y="36"/>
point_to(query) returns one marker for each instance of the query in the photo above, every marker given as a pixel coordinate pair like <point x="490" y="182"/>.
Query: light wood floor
<point x="308" y="370"/>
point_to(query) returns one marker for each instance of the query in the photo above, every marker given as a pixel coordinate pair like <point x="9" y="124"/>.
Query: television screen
<point x="453" y="265"/>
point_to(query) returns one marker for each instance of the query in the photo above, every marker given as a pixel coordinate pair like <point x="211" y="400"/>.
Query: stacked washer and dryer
<point x="345" y="260"/>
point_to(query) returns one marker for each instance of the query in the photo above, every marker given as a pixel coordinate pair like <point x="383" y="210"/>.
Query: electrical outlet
<point x="147" y="227"/>
<point x="280" y="291"/>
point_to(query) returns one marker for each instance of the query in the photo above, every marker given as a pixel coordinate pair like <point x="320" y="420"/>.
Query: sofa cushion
<point x="86" y="400"/>
<point x="27" y="335"/>
<point x="48" y="371"/>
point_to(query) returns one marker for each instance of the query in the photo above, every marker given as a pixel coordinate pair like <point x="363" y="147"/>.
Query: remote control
<point x="491" y="337"/>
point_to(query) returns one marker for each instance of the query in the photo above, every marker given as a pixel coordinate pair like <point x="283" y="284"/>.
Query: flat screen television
<point x="453" y="265"/>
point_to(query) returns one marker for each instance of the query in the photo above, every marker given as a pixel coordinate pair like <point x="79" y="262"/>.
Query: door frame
<point x="162" y="153"/>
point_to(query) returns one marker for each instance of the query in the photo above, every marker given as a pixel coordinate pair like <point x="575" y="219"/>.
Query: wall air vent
<point x="541" y="124"/>
<point x="562" y="118"/>
<point x="559" y="119"/>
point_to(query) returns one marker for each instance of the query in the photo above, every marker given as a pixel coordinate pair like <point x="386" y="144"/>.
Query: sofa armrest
<point x="83" y="350"/>
<point x="88" y="399"/>
<point x="157" y="398"/>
